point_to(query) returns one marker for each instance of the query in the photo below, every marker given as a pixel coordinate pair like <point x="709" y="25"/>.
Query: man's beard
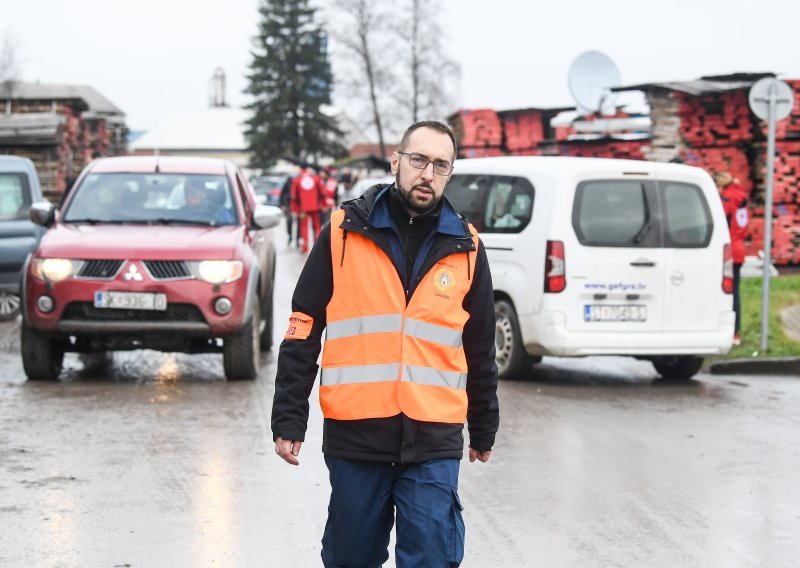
<point x="408" y="198"/>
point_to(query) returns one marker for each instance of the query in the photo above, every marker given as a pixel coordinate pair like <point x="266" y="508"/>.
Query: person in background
<point x="399" y="284"/>
<point x="331" y="190"/>
<point x="308" y="200"/>
<point x="205" y="204"/>
<point x="734" y="202"/>
<point x="286" y="207"/>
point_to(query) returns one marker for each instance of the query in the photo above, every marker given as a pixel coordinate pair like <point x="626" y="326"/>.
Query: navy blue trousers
<point x="364" y="499"/>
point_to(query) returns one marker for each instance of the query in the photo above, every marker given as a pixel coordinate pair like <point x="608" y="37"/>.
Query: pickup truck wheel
<point x="42" y="356"/>
<point x="678" y="366"/>
<point x="9" y="306"/>
<point x="510" y="355"/>
<point x="242" y="350"/>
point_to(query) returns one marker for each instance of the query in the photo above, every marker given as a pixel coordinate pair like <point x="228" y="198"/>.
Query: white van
<point x="601" y="257"/>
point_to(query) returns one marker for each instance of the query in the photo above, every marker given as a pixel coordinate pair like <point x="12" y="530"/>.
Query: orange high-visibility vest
<point x="383" y="357"/>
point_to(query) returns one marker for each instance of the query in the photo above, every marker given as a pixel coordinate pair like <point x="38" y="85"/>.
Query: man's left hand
<point x="480" y="456"/>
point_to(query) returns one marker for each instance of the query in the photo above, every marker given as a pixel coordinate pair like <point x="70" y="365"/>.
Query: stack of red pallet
<point x="785" y="234"/>
<point x="480" y="152"/>
<point x="787" y="172"/>
<point x="788" y="127"/>
<point x="523" y="130"/>
<point x="477" y="128"/>
<point x="722" y="159"/>
<point x="715" y="119"/>
<point x="629" y="150"/>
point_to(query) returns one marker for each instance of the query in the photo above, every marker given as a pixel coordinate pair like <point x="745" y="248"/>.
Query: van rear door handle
<point x="643" y="262"/>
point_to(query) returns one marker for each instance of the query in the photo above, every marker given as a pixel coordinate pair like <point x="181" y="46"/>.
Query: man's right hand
<point x="288" y="450"/>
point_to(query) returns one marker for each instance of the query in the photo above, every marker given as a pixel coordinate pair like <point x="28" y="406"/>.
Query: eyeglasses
<point x="440" y="167"/>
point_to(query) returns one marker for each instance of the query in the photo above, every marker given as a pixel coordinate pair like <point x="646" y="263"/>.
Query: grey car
<point x="19" y="188"/>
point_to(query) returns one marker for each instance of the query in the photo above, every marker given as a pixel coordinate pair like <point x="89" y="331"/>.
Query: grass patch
<point x="784" y="291"/>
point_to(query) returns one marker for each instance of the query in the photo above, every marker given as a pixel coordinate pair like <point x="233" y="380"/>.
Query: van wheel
<point x="242" y="350"/>
<point x="510" y="355"/>
<point x="678" y="366"/>
<point x="42" y="356"/>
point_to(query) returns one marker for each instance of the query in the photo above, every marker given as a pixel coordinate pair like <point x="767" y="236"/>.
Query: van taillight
<point x="555" y="279"/>
<point x="727" y="270"/>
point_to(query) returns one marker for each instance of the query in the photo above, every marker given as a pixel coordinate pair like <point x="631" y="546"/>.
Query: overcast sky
<point x="153" y="58"/>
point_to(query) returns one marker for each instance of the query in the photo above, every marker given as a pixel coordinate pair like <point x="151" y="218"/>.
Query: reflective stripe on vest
<point x="383" y="357"/>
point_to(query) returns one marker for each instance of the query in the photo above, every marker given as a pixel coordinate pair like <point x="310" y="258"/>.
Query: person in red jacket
<point x="734" y="202"/>
<point x="308" y="199"/>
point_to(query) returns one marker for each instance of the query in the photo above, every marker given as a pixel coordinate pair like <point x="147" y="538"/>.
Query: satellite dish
<point x="592" y="75"/>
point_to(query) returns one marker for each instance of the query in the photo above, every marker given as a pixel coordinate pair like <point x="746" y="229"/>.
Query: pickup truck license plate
<point x="605" y="312"/>
<point x="130" y="300"/>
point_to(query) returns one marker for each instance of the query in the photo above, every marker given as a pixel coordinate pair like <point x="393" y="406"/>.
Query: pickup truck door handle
<point x="643" y="262"/>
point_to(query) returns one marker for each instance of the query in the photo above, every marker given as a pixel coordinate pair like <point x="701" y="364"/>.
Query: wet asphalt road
<point x="152" y="459"/>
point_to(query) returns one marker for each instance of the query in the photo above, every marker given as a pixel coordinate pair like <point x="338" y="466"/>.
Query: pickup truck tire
<point x="242" y="350"/>
<point x="510" y="355"/>
<point x="678" y="366"/>
<point x="42" y="356"/>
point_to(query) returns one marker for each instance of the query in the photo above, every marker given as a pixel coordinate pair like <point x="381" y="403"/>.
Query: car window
<point x="151" y="198"/>
<point x="613" y="213"/>
<point x="15" y="196"/>
<point x="509" y="205"/>
<point x="687" y="219"/>
<point x="467" y="193"/>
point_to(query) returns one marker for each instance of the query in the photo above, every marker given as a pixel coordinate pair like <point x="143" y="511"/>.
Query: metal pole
<point x="773" y="99"/>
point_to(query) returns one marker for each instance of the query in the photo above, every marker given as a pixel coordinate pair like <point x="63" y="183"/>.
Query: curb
<point x="764" y="366"/>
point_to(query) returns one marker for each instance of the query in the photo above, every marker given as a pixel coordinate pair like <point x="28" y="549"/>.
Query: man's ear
<point x="395" y="162"/>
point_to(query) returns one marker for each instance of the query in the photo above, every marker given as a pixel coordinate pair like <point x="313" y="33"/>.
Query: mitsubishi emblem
<point x="133" y="274"/>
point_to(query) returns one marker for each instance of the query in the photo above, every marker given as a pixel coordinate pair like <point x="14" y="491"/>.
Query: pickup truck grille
<point x="99" y="269"/>
<point x="167" y="269"/>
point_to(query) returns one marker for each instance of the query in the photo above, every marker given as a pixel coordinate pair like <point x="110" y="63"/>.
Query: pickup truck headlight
<point x="54" y="269"/>
<point x="217" y="271"/>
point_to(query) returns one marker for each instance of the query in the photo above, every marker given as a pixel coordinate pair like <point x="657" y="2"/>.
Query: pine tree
<point x="290" y="79"/>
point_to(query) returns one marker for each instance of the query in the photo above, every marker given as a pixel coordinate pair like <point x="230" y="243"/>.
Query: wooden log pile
<point x="719" y="119"/>
<point x="733" y="160"/>
<point x="606" y="148"/>
<point x="60" y="157"/>
<point x="477" y="128"/>
<point x="523" y="131"/>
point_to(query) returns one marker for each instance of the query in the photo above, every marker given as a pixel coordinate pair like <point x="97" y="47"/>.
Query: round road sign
<point x="760" y="94"/>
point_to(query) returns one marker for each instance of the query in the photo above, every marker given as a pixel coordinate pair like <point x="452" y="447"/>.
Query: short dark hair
<point x="433" y="125"/>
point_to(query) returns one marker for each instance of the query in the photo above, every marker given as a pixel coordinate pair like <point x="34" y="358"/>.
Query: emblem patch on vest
<point x="443" y="279"/>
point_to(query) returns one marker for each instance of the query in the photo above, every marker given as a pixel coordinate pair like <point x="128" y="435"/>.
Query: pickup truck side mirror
<point x="43" y="213"/>
<point x="267" y="216"/>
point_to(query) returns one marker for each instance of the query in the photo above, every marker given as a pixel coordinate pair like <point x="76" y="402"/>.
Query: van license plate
<point x="605" y="312"/>
<point x="130" y="300"/>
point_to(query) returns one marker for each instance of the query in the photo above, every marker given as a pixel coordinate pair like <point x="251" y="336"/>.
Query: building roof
<point x="214" y="128"/>
<point x="704" y="85"/>
<point x="95" y="102"/>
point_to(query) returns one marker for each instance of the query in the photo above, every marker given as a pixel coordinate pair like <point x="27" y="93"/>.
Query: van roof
<point x="552" y="165"/>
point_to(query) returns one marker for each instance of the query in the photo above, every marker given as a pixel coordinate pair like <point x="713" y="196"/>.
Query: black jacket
<point x="399" y="438"/>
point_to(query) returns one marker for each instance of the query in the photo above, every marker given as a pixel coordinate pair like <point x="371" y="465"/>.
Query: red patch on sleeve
<point x="299" y="326"/>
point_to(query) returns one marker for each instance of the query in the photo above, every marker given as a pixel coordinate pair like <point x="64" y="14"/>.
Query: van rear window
<point x="687" y="217"/>
<point x="613" y="213"/>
